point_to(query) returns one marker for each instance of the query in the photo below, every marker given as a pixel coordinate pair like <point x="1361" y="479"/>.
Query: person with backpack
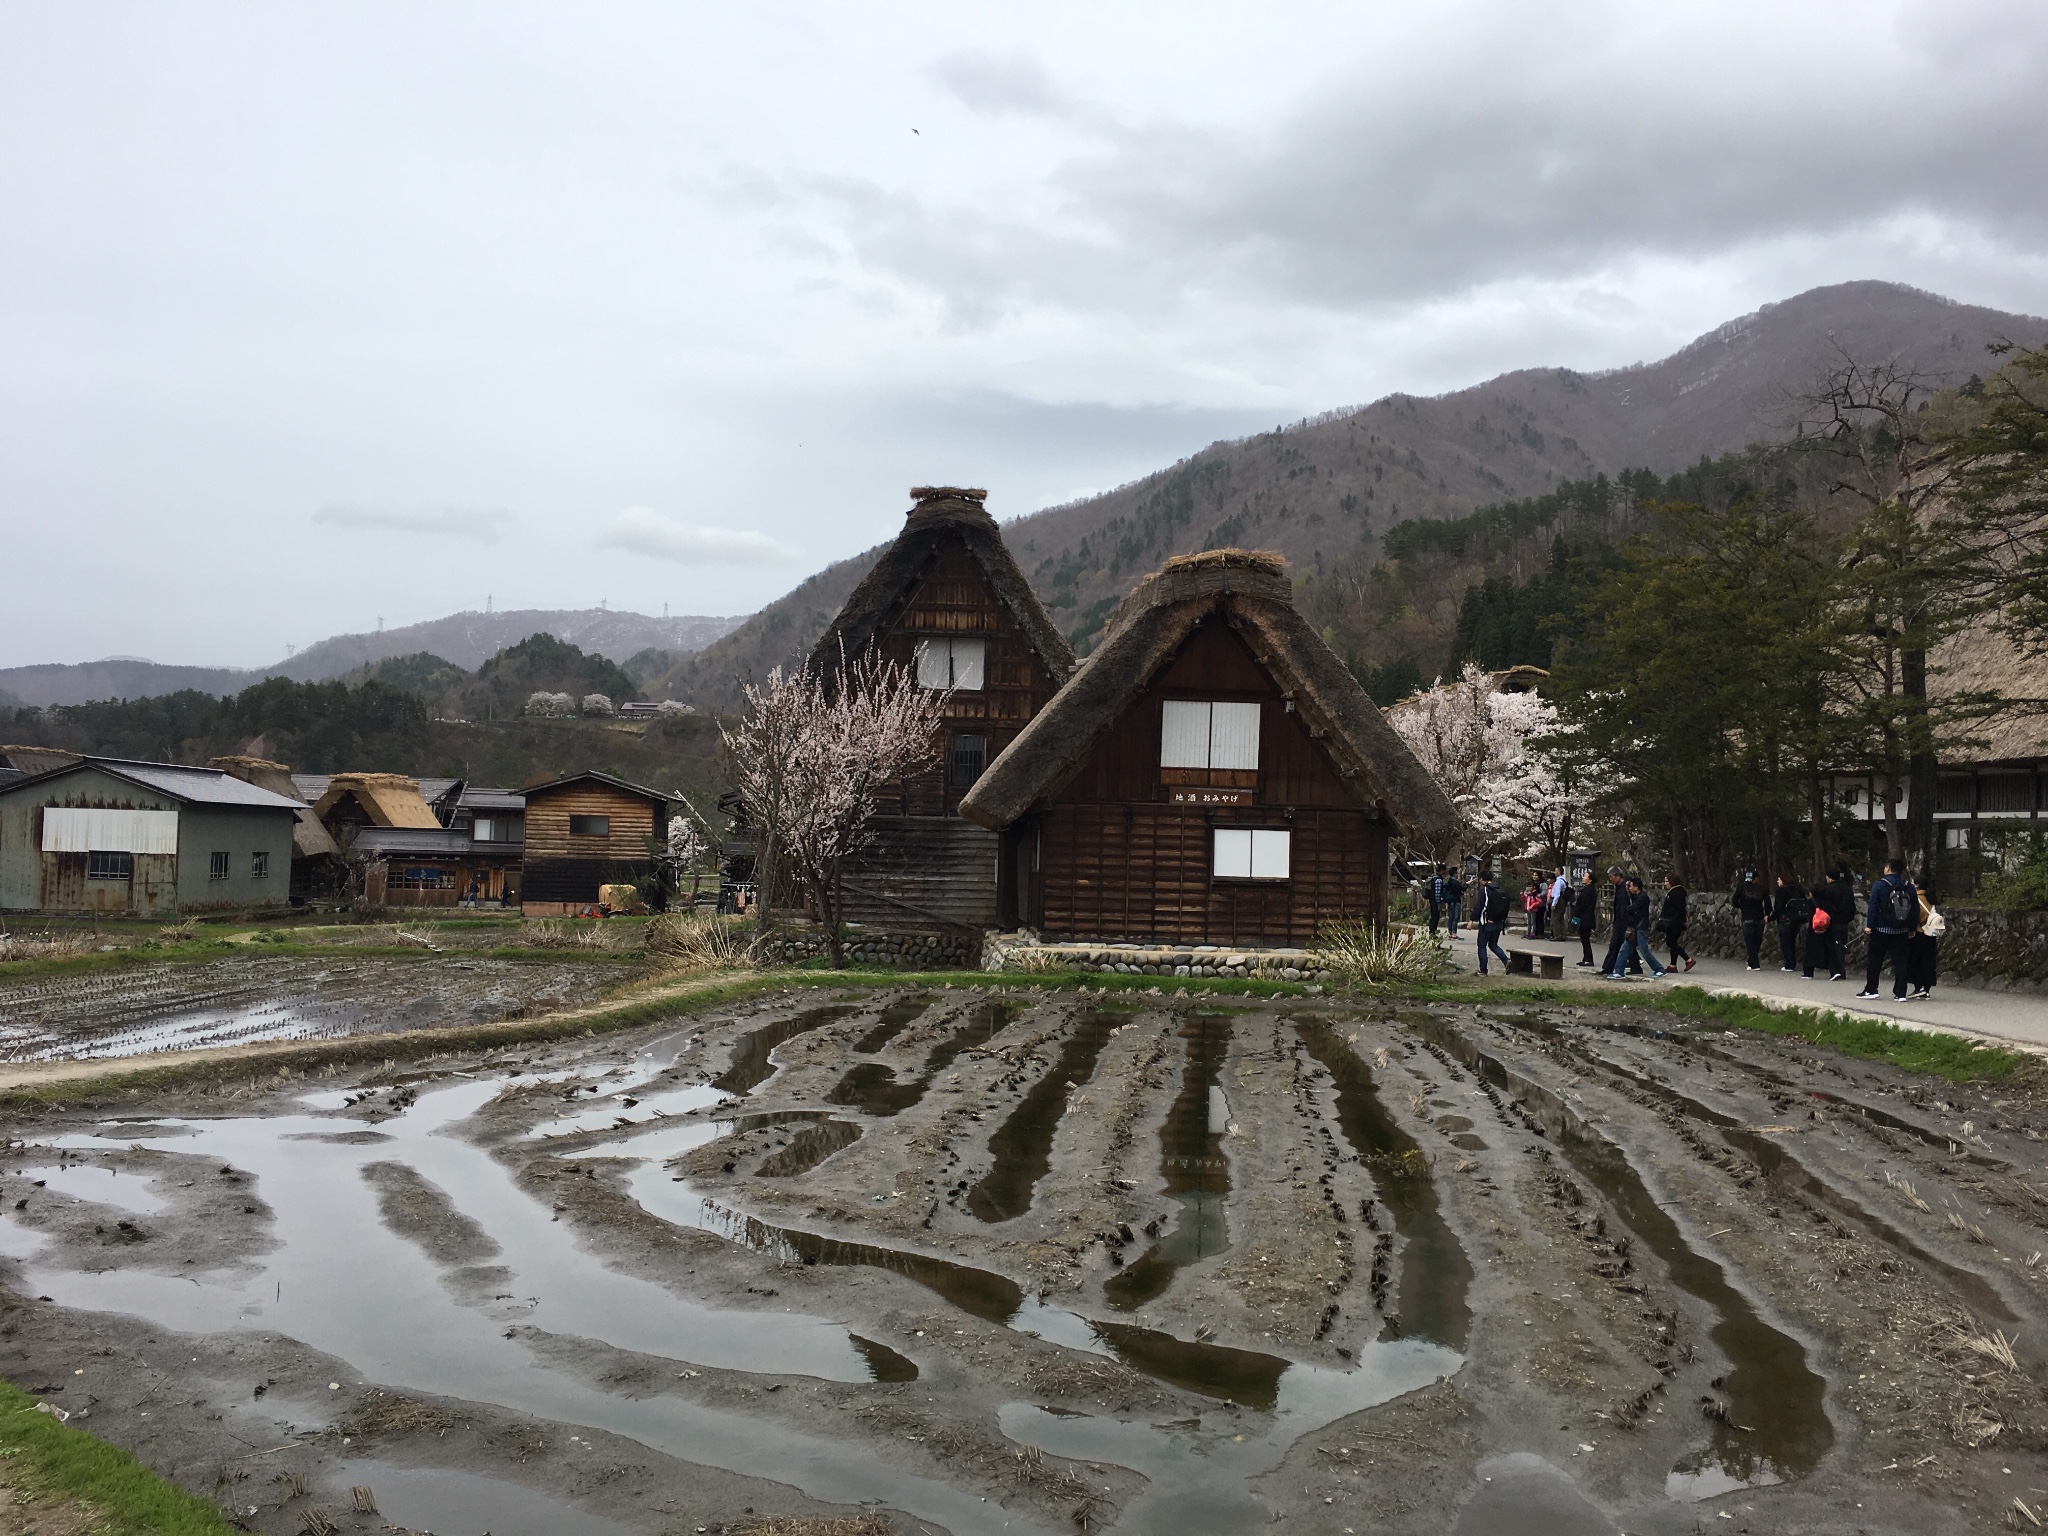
<point x="1633" y="912"/>
<point x="1751" y="902"/>
<point x="1827" y="929"/>
<point x="1454" y="902"/>
<point x="1889" y="923"/>
<point x="1671" y="922"/>
<point x="1585" y="916"/>
<point x="1790" y="910"/>
<point x="1433" y="891"/>
<point x="1923" y="950"/>
<point x="1490" y="909"/>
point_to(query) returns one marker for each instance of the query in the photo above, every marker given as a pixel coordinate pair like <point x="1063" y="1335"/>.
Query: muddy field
<point x="989" y="1261"/>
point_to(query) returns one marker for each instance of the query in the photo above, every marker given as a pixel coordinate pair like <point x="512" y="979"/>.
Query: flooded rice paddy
<point x="1030" y="1263"/>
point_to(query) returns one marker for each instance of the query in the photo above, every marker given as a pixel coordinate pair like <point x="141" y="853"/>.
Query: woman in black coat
<point x="1835" y="896"/>
<point x="1671" y="920"/>
<point x="1586" y="915"/>
<point x="1751" y="901"/>
<point x="1791" y="911"/>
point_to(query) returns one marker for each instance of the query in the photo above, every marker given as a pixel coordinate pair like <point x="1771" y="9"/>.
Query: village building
<point x="583" y="833"/>
<point x="318" y="868"/>
<point x="948" y="601"/>
<point x="111" y="837"/>
<point x="1211" y="774"/>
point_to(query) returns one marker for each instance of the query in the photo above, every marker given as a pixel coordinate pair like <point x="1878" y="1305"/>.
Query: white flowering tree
<point x="1503" y="759"/>
<point x="810" y="759"/>
<point x="550" y="706"/>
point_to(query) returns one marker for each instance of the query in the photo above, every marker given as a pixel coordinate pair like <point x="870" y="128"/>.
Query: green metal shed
<point x="105" y="835"/>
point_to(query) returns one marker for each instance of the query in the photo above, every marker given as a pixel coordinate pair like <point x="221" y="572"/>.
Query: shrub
<point x="1364" y="955"/>
<point x="690" y="941"/>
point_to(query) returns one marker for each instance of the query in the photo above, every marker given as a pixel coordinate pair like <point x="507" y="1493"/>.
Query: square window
<point x="1200" y="734"/>
<point x="259" y="865"/>
<point x="969" y="753"/>
<point x="109" y="866"/>
<point x="590" y="826"/>
<point x="1252" y="853"/>
<point x="957" y="664"/>
<point x="480" y="829"/>
<point x="216" y="866"/>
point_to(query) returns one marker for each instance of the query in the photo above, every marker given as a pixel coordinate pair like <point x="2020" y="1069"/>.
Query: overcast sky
<point x="313" y="313"/>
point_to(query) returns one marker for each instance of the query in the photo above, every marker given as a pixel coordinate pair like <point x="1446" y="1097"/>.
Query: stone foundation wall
<point x="1982" y="949"/>
<point x="1199" y="961"/>
<point x="867" y="950"/>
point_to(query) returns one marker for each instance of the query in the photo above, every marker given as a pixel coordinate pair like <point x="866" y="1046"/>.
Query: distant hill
<point x="1323" y="491"/>
<point x="466" y="639"/>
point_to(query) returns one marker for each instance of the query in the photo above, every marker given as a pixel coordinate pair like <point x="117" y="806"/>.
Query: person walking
<point x="1827" y="931"/>
<point x="1454" y="902"/>
<point x="1889" y="923"/>
<point x="1671" y="922"/>
<point x="1750" y="902"/>
<point x="1923" y="950"/>
<point x="1791" y="911"/>
<point x="1433" y="890"/>
<point x="1490" y="909"/>
<point x="1633" y="913"/>
<point x="1585" y="916"/>
<point x="1617" y="895"/>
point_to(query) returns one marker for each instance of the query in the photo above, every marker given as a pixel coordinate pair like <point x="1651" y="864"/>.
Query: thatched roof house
<point x="1212" y="773"/>
<point x="310" y="837"/>
<point x="373" y="800"/>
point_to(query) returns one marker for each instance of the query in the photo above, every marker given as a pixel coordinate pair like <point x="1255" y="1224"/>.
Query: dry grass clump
<point x="386" y="1413"/>
<point x="45" y="946"/>
<point x="566" y="933"/>
<point x="692" y="941"/>
<point x="179" y="933"/>
<point x="851" y="1525"/>
<point x="1367" y="956"/>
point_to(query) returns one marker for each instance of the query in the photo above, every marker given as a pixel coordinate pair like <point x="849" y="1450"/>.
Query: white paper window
<point x="1251" y="853"/>
<point x="1205" y="735"/>
<point x="958" y="664"/>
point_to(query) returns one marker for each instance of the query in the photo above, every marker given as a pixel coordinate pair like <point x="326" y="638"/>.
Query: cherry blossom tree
<point x="810" y="759"/>
<point x="1503" y="758"/>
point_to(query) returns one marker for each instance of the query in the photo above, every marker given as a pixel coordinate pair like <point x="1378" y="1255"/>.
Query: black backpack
<point x="1496" y="904"/>
<point x="1901" y="906"/>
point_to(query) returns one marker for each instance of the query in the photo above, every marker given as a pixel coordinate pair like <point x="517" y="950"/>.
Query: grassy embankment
<point x="69" y="1480"/>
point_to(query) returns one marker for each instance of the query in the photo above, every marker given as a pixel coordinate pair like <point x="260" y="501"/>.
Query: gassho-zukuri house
<point x="1212" y="774"/>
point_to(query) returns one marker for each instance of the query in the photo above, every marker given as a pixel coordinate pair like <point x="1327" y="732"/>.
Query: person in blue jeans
<point x="1632" y="914"/>
<point x="1490" y="907"/>
<point x="1454" y="904"/>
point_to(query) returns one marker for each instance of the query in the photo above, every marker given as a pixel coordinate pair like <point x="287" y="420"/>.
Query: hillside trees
<point x="1999" y="488"/>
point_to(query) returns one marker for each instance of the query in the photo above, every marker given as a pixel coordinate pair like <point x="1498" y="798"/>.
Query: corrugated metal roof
<point x="203" y="786"/>
<point x="405" y="842"/>
<point x="492" y="800"/>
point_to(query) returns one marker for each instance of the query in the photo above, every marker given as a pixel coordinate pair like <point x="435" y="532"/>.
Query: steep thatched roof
<point x="1251" y="590"/>
<point x="32" y="760"/>
<point x="388" y="799"/>
<point x="310" y="837"/>
<point x="1983" y="660"/>
<point x="940" y="511"/>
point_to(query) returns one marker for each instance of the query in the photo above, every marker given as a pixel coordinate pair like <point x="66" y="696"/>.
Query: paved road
<point x="2019" y="1017"/>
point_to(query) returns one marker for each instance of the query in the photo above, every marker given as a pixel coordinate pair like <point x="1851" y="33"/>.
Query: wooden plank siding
<point x="1117" y="859"/>
<point x="562" y="871"/>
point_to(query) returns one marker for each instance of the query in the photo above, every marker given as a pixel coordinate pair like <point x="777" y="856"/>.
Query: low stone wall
<point x="1980" y="949"/>
<point x="1189" y="960"/>
<point x="868" y="949"/>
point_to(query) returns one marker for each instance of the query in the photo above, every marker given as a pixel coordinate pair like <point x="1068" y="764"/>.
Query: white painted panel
<point x="1184" y="735"/>
<point x="1233" y="853"/>
<point x="1270" y="850"/>
<point x="1234" y="737"/>
<point x="934" y="664"/>
<point x="73" y="829"/>
<point x="970" y="659"/>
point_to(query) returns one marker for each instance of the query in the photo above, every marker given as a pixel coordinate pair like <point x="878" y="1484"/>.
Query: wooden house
<point x="1212" y="774"/>
<point x="947" y="600"/>
<point x="584" y="832"/>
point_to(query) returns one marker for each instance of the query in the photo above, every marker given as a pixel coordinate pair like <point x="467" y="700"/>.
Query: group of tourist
<point x="1900" y="922"/>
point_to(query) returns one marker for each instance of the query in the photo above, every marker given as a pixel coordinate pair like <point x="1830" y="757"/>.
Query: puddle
<point x="873" y="1089"/>
<point x="612" y="1113"/>
<point x="751" y="1063"/>
<point x="1196" y="1171"/>
<point x="1436" y="1276"/>
<point x="1524" y="1495"/>
<point x="810" y="1147"/>
<point x="1777" y="1425"/>
<point x="1022" y="1145"/>
<point x="103" y="1186"/>
<point x="459" y="1503"/>
<point x="894" y="1018"/>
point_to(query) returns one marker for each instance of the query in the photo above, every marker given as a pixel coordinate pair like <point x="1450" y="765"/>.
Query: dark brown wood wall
<point x="634" y="819"/>
<point x="1119" y="860"/>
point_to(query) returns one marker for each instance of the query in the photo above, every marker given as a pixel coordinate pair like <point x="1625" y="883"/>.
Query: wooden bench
<point x="1531" y="962"/>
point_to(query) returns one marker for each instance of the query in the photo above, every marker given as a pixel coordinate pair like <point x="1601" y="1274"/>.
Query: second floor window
<point x="590" y="826"/>
<point x="959" y="664"/>
<point x="1200" y="734"/>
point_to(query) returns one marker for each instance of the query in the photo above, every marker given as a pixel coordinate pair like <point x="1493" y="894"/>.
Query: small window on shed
<point x="969" y="755"/>
<point x="110" y="866"/>
<point x="216" y="866"/>
<point x="958" y="664"/>
<point x="259" y="864"/>
<point x="590" y="826"/>
<point x="1252" y="853"/>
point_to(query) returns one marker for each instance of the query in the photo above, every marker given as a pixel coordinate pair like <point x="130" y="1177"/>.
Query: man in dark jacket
<point x="1790" y="911"/>
<point x="1751" y="902"/>
<point x="1617" y="929"/>
<point x="1454" y="902"/>
<point x="1836" y="897"/>
<point x="1490" y="908"/>
<point x="1632" y="915"/>
<point x="1435" y="891"/>
<point x="1585" y="915"/>
<point x="1889" y="923"/>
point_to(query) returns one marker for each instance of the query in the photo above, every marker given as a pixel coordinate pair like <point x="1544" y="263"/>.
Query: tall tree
<point x="1998" y="445"/>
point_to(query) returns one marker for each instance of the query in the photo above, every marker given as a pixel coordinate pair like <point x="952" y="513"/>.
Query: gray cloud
<point x="481" y="525"/>
<point x="993" y="83"/>
<point x="643" y="531"/>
